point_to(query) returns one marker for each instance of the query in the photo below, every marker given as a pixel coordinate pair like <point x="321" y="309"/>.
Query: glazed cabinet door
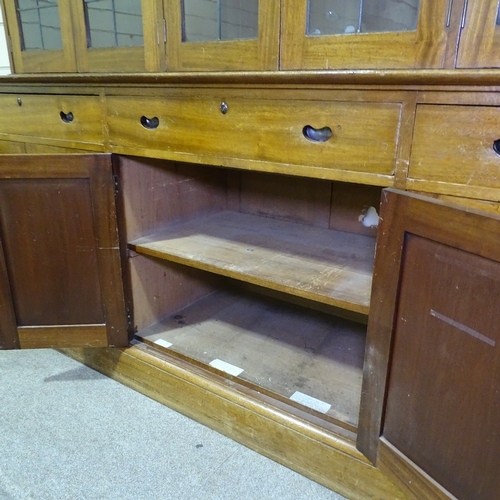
<point x="119" y="36"/>
<point x="86" y="35"/>
<point x="222" y="35"/>
<point x="41" y="35"/>
<point x="362" y="34"/>
<point x="430" y="408"/>
<point x="480" y="38"/>
<point x="60" y="266"/>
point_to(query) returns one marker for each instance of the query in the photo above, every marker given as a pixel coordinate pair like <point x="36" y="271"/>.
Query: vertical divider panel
<point x="108" y="249"/>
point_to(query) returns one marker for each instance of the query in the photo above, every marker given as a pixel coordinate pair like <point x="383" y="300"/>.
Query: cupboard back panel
<point x="290" y="198"/>
<point x="155" y="193"/>
<point x="152" y="194"/>
<point x="161" y="288"/>
<point x="308" y="201"/>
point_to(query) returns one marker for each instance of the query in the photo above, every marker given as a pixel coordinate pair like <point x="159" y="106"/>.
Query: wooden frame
<point x="150" y="57"/>
<point x="41" y="61"/>
<point x="480" y="38"/>
<point x="90" y="178"/>
<point x="290" y="447"/>
<point x="423" y="48"/>
<point x="259" y="54"/>
<point x="406" y="216"/>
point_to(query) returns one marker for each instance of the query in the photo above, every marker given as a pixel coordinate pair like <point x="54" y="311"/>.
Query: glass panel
<point x="113" y="23"/>
<point x="39" y="24"/>
<point x="335" y="17"/>
<point x="214" y="20"/>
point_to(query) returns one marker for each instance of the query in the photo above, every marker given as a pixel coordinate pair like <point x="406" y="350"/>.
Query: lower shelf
<point x="306" y="358"/>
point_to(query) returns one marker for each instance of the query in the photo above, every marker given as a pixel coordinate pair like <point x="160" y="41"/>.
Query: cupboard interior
<point x="265" y="278"/>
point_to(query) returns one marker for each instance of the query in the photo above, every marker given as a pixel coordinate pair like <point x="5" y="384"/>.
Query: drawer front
<point x="363" y="134"/>
<point x="11" y="147"/>
<point x="454" y="144"/>
<point x="62" y="117"/>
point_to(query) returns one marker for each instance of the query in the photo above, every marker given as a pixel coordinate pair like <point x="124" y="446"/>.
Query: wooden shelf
<point x="282" y="349"/>
<point x="326" y="266"/>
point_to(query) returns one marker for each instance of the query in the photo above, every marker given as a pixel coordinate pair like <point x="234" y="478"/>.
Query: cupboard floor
<point x="310" y="358"/>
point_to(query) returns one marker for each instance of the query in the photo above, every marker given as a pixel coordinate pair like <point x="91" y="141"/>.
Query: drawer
<point x="363" y="134"/>
<point x="454" y="144"/>
<point x="62" y="117"/>
<point x="11" y="147"/>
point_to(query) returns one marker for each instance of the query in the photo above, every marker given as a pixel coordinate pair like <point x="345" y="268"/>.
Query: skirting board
<point x="217" y="402"/>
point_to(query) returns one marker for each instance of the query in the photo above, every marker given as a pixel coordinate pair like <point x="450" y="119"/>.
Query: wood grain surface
<point x="282" y="348"/>
<point x="364" y="134"/>
<point x="328" y="266"/>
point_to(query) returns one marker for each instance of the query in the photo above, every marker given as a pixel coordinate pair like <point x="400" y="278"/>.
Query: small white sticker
<point x="226" y="367"/>
<point x="310" y="402"/>
<point x="163" y="343"/>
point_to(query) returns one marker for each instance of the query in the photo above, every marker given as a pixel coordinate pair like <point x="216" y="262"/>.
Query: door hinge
<point x="115" y="183"/>
<point x="161" y="32"/>
<point x="464" y="15"/>
<point x="448" y="13"/>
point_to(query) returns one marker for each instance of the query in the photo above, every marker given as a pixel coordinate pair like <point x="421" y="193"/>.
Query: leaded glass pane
<point x="113" y="23"/>
<point x="39" y="24"/>
<point x="335" y="17"/>
<point x="214" y="20"/>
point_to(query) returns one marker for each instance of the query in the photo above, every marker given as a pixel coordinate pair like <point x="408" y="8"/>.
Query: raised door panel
<point x="430" y="405"/>
<point x="222" y="35"/>
<point x="364" y="34"/>
<point x="60" y="272"/>
<point x="443" y="405"/>
<point x="480" y="38"/>
<point x="41" y="35"/>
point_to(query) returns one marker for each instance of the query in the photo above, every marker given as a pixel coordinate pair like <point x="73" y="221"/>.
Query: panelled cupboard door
<point x="222" y="35"/>
<point x="430" y="410"/>
<point x="118" y="37"/>
<point x="364" y="34"/>
<point x="60" y="266"/>
<point x="480" y="38"/>
<point x="41" y="35"/>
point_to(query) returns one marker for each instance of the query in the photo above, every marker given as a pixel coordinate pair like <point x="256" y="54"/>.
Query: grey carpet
<point x="69" y="433"/>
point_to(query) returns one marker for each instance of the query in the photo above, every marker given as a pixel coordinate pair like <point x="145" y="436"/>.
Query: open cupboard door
<point x="60" y="267"/>
<point x="430" y="408"/>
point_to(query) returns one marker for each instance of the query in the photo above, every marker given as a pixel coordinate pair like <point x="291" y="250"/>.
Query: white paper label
<point x="226" y="367"/>
<point x="163" y="343"/>
<point x="310" y="402"/>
